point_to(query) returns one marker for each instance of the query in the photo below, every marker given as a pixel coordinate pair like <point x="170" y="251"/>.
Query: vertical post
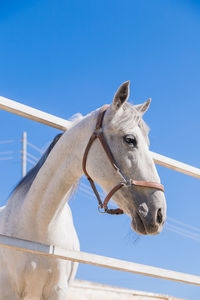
<point x="24" y="153"/>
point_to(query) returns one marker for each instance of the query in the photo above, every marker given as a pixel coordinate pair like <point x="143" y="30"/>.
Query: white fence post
<point x="24" y="153"/>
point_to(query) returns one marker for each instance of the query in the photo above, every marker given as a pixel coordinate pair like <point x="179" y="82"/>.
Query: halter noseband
<point x="98" y="133"/>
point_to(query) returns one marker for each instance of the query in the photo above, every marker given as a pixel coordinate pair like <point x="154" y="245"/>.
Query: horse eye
<point x="130" y="140"/>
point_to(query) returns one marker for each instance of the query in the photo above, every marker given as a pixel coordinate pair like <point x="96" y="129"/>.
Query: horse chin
<point x="138" y="226"/>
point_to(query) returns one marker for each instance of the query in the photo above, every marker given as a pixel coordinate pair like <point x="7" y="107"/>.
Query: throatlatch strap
<point x="98" y="134"/>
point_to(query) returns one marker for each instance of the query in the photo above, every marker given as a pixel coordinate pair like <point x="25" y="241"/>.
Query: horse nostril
<point x="159" y="217"/>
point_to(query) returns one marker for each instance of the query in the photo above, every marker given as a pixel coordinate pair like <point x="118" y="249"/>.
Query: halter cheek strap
<point x="98" y="133"/>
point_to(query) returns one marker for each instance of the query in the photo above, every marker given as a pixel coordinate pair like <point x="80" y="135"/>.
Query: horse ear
<point x="121" y="95"/>
<point x="142" y="108"/>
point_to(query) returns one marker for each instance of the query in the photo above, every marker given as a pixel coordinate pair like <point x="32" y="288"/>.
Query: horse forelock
<point x="131" y="117"/>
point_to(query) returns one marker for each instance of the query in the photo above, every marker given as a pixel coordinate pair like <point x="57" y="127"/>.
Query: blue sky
<point x="65" y="57"/>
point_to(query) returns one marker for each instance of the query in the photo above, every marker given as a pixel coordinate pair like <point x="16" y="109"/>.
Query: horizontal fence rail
<point x="96" y="260"/>
<point x="33" y="114"/>
<point x="175" y="165"/>
<point x="62" y="124"/>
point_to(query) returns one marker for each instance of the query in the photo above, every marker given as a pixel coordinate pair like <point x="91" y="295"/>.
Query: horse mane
<point x="26" y="182"/>
<point x="28" y="179"/>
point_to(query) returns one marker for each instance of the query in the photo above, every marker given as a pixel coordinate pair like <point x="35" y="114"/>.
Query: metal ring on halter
<point x="102" y="211"/>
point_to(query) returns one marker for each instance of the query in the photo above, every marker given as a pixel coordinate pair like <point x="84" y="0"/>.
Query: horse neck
<point x="51" y="189"/>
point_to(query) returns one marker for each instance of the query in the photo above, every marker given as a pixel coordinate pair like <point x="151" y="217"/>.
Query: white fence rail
<point x="95" y="260"/>
<point x="33" y="114"/>
<point x="82" y="257"/>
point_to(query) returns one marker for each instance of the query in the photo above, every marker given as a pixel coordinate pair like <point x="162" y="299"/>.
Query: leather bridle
<point x="98" y="133"/>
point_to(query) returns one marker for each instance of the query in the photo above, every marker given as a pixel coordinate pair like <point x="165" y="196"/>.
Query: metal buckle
<point x="128" y="183"/>
<point x="98" y="131"/>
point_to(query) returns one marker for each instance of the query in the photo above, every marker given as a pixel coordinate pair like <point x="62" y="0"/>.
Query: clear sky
<point x="65" y="57"/>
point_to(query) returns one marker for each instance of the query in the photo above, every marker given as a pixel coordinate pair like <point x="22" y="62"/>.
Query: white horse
<point x="38" y="208"/>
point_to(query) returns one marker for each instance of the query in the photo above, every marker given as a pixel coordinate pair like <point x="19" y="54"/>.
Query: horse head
<point x="141" y="196"/>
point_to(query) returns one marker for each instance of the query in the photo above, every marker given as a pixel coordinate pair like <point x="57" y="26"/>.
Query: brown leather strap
<point x="111" y="193"/>
<point x="91" y="140"/>
<point x="116" y="211"/>
<point x="102" y="139"/>
<point x="93" y="186"/>
<point x="107" y="151"/>
<point x="101" y="116"/>
<point x="91" y="181"/>
<point x="153" y="185"/>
